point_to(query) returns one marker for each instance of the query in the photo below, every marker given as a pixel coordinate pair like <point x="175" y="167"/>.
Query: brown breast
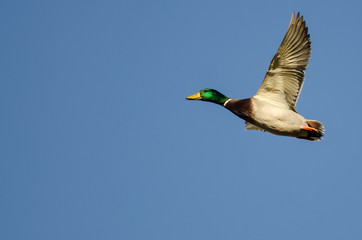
<point x="243" y="108"/>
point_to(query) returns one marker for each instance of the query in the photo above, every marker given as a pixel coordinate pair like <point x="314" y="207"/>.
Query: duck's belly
<point x="277" y="120"/>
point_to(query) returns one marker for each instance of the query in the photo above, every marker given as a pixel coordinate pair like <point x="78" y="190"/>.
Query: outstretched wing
<point x="283" y="81"/>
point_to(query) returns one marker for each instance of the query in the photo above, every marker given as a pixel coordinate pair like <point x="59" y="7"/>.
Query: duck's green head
<point x="209" y="95"/>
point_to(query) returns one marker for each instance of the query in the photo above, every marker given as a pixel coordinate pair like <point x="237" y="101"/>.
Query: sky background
<point x="98" y="142"/>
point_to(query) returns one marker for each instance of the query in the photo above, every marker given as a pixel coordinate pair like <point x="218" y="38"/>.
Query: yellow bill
<point x="196" y="96"/>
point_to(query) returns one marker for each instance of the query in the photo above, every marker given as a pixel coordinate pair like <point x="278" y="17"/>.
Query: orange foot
<point x="310" y="129"/>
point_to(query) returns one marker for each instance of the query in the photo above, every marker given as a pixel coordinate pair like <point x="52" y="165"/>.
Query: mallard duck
<point x="272" y="108"/>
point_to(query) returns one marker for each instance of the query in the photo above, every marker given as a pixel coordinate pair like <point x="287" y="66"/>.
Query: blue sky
<point x="98" y="141"/>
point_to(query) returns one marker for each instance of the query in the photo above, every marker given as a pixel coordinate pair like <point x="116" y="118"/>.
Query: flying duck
<point x="272" y="108"/>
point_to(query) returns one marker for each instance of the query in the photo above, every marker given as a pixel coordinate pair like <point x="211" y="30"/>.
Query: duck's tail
<point x="315" y="135"/>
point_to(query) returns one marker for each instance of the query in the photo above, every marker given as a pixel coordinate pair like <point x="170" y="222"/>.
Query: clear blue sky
<point x="98" y="142"/>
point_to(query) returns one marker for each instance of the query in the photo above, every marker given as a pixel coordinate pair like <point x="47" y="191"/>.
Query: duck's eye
<point x="206" y="90"/>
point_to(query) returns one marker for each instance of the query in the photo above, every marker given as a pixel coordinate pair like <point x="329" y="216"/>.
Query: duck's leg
<point x="312" y="134"/>
<point x="307" y="128"/>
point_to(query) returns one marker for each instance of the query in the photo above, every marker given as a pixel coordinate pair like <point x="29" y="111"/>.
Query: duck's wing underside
<point x="283" y="81"/>
<point x="250" y="126"/>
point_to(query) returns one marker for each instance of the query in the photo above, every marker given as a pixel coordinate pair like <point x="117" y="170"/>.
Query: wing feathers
<point x="284" y="78"/>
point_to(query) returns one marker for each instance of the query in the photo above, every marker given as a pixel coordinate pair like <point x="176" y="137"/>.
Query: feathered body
<point x="263" y="116"/>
